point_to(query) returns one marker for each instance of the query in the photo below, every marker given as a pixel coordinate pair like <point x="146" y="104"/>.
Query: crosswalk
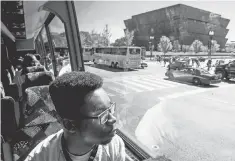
<point x="136" y="84"/>
<point x="142" y="83"/>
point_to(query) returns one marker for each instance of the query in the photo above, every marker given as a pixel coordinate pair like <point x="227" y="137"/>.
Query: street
<point x="178" y="120"/>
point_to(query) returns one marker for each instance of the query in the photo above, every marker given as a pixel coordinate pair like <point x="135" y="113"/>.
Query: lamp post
<point x="211" y="34"/>
<point x="150" y="46"/>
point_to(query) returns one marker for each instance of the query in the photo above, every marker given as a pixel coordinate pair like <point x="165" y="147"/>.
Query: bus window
<point x="87" y="52"/>
<point x="99" y="50"/>
<point x="138" y="51"/>
<point x="115" y="51"/>
<point x="60" y="45"/>
<point x="134" y="51"/>
<point x="87" y="49"/>
<point x="47" y="56"/>
<point x="123" y="51"/>
<point x="107" y="50"/>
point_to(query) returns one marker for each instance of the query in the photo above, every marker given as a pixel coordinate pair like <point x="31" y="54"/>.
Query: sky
<point x="95" y="14"/>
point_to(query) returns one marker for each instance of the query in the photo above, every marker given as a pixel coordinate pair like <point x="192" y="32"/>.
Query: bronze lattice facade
<point x="179" y="22"/>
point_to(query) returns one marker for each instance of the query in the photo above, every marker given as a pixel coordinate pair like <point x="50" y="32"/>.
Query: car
<point x="226" y="70"/>
<point x="143" y="65"/>
<point x="142" y="58"/>
<point x="178" y="65"/>
<point x="197" y="76"/>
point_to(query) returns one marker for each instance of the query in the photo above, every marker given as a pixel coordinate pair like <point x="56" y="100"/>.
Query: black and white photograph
<point x="117" y="80"/>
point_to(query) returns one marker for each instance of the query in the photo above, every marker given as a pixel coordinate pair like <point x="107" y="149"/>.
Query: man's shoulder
<point x="49" y="145"/>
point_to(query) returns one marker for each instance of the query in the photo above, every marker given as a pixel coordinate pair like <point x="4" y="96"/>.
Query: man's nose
<point x="112" y="119"/>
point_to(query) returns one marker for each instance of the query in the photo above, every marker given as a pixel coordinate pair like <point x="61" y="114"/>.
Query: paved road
<point x="178" y="120"/>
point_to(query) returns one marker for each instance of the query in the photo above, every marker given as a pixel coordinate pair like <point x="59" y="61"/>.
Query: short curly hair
<point x="68" y="92"/>
<point x="29" y="59"/>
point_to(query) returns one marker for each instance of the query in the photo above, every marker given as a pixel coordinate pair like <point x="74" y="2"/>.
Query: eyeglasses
<point x="104" y="116"/>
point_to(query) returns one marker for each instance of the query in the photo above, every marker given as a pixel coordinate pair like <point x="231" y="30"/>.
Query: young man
<point x="87" y="116"/>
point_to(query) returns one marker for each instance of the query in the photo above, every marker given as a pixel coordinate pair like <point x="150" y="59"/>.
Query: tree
<point x="126" y="40"/>
<point x="176" y="46"/>
<point x="96" y="39"/>
<point x="120" y="42"/>
<point x="85" y="38"/>
<point x="214" y="46"/>
<point x="204" y="48"/>
<point x="165" y="45"/>
<point x="197" y="46"/>
<point x="185" y="48"/>
<point x="129" y="35"/>
<point x="105" y="36"/>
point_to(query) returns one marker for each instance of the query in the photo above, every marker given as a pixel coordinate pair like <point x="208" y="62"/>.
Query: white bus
<point x="87" y="54"/>
<point x="118" y="57"/>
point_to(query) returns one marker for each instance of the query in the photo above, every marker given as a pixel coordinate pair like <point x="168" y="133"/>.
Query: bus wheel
<point x="116" y="65"/>
<point x="112" y="65"/>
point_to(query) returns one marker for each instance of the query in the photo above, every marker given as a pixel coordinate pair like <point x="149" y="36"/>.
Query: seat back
<point x="33" y="69"/>
<point x="40" y="114"/>
<point x="8" y="121"/>
<point x="38" y="98"/>
<point x="37" y="79"/>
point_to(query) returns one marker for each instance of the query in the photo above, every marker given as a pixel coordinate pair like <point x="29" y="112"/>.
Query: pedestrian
<point x="87" y="117"/>
<point x="208" y="65"/>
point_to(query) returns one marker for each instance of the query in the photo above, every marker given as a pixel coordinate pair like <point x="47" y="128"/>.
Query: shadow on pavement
<point x="105" y="67"/>
<point x="191" y="84"/>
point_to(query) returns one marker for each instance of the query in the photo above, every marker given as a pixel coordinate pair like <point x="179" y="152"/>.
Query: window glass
<point x="123" y="51"/>
<point x="40" y="51"/>
<point x="107" y="50"/>
<point x="87" y="49"/>
<point x="60" y="45"/>
<point x="47" y="56"/>
<point x="115" y="51"/>
<point x="164" y="115"/>
<point x="134" y="51"/>
<point x="99" y="50"/>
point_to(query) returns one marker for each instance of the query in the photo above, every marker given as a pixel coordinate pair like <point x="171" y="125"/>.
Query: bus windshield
<point x="134" y="51"/>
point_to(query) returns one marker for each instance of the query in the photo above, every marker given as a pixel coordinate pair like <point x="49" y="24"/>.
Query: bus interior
<point x="26" y="121"/>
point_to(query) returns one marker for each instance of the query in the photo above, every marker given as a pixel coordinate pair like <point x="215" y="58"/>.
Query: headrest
<point x="37" y="79"/>
<point x="34" y="69"/>
<point x="39" y="97"/>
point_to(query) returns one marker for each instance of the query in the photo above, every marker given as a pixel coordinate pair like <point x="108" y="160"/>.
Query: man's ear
<point x="68" y="125"/>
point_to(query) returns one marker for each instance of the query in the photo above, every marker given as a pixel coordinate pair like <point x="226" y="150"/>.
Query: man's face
<point x="93" y="131"/>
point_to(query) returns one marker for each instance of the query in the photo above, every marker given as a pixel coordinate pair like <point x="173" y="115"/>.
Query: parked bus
<point x="87" y="54"/>
<point x="118" y="57"/>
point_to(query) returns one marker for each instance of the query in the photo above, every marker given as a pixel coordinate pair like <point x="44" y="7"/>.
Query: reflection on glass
<point x="40" y="51"/>
<point x="47" y="54"/>
<point x="60" y="46"/>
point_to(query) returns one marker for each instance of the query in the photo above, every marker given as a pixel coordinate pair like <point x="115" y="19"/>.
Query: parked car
<point x="177" y="65"/>
<point x="197" y="76"/>
<point x="143" y="64"/>
<point x="201" y="59"/>
<point x="226" y="70"/>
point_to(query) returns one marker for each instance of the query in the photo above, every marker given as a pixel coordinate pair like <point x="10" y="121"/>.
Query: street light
<point x="211" y="34"/>
<point x="150" y="46"/>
